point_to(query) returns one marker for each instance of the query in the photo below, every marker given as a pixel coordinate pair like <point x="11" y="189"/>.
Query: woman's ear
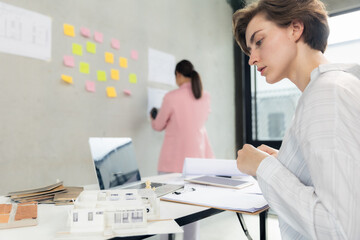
<point x="297" y="28"/>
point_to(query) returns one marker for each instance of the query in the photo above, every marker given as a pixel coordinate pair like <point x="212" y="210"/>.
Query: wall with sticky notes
<point x="97" y="80"/>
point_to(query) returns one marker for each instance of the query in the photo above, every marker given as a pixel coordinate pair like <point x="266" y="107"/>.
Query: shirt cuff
<point x="267" y="168"/>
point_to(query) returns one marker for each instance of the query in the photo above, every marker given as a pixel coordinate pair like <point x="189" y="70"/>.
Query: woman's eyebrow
<point x="252" y="40"/>
<point x="253" y="36"/>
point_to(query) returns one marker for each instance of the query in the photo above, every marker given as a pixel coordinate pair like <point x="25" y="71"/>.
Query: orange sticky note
<point x="69" y="30"/>
<point x="114" y="74"/>
<point x="66" y="78"/>
<point x="111" y="92"/>
<point x="109" y="57"/>
<point x="123" y="62"/>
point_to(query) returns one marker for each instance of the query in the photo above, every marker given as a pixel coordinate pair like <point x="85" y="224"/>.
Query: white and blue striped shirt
<point x="314" y="183"/>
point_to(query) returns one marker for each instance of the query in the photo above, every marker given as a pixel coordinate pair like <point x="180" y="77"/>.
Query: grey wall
<point x="45" y="123"/>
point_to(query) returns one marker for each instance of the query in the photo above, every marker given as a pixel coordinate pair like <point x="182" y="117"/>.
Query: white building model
<point x="114" y="211"/>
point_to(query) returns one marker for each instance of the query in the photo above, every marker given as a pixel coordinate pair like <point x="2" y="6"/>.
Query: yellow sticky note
<point x="66" y="78"/>
<point x="84" y="67"/>
<point x="123" y="62"/>
<point x="111" y="92"/>
<point x="132" y="78"/>
<point x="77" y="49"/>
<point x="101" y="76"/>
<point x="114" y="74"/>
<point x="109" y="57"/>
<point x="69" y="30"/>
<point x="91" y="47"/>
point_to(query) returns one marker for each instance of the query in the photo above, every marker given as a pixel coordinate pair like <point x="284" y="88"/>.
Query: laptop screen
<point x="114" y="161"/>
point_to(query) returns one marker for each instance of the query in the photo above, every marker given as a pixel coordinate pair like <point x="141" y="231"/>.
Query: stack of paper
<point x="248" y="199"/>
<point x="55" y="193"/>
<point x="67" y="197"/>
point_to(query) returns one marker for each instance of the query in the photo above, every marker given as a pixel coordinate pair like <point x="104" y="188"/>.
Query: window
<point x="270" y="108"/>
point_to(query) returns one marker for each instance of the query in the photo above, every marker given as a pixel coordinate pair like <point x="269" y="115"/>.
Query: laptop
<point x="116" y="166"/>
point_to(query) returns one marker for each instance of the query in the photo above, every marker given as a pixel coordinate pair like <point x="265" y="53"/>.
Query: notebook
<point x="116" y="166"/>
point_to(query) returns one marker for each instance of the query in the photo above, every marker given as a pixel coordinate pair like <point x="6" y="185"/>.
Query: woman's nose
<point x="253" y="58"/>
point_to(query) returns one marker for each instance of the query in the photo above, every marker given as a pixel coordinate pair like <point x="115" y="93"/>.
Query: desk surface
<point x="53" y="219"/>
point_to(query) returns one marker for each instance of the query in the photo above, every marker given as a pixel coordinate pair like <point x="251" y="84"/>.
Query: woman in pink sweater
<point x="183" y="114"/>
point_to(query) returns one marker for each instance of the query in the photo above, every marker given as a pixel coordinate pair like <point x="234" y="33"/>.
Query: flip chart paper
<point x="155" y="98"/>
<point x="25" y="33"/>
<point x="69" y="61"/>
<point x="109" y="57"/>
<point x="77" y="49"/>
<point x="115" y="43"/>
<point x="84" y="67"/>
<point x="85" y="32"/>
<point x="91" y="47"/>
<point x="101" y="76"/>
<point x="132" y="78"/>
<point x="90" y="86"/>
<point x="111" y="92"/>
<point x="66" y="78"/>
<point x="123" y="62"/>
<point x="69" y="30"/>
<point x="115" y="74"/>
<point x="161" y="67"/>
<point x="98" y="37"/>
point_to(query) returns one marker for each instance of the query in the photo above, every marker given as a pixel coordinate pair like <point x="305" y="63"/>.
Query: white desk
<point x="53" y="219"/>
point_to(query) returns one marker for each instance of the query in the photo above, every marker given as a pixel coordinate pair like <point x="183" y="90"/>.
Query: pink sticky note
<point x="115" y="43"/>
<point x="69" y="61"/>
<point x="134" y="54"/>
<point x="127" y="92"/>
<point x="85" y="32"/>
<point x="98" y="37"/>
<point x="90" y="86"/>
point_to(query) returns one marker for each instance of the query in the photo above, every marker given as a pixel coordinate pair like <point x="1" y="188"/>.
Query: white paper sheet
<point x="161" y="67"/>
<point x="25" y="33"/>
<point x="220" y="167"/>
<point x="217" y="197"/>
<point x="155" y="98"/>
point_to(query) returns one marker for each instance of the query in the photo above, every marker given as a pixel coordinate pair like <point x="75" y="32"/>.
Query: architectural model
<point x="114" y="211"/>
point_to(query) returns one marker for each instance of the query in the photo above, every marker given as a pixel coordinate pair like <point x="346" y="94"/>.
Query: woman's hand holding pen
<point x="249" y="157"/>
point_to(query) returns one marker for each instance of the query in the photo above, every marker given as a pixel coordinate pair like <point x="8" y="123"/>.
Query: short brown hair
<point x="282" y="12"/>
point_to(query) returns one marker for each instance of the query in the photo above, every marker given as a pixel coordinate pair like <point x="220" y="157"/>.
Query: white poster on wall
<point x="25" y="33"/>
<point x="155" y="98"/>
<point x="161" y="67"/>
